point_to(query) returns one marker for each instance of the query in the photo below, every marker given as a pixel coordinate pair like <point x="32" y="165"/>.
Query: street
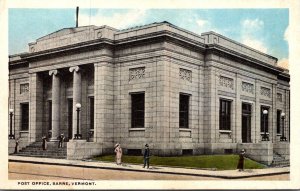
<point x="30" y="171"/>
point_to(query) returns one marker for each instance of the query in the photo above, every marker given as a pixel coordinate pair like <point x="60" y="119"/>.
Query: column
<point x="35" y="107"/>
<point x="76" y="96"/>
<point x="55" y="103"/>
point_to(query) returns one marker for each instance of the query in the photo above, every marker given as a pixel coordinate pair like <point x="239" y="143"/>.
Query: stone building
<point x="180" y="92"/>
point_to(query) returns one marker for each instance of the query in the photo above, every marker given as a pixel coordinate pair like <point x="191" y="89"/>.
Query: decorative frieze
<point x="279" y="97"/>
<point x="226" y="82"/>
<point x="136" y="73"/>
<point x="265" y="92"/>
<point x="185" y="74"/>
<point x="24" y="88"/>
<point x="248" y="87"/>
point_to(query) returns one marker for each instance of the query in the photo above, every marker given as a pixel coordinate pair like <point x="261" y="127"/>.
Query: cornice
<point x="83" y="46"/>
<point x="223" y="51"/>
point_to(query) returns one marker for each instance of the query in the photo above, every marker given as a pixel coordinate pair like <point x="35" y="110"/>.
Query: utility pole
<point x="77" y="11"/>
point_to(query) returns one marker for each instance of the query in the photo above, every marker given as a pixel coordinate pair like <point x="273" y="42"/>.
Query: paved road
<point x="28" y="171"/>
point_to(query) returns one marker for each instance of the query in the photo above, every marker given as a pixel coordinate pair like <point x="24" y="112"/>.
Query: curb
<point x="150" y="171"/>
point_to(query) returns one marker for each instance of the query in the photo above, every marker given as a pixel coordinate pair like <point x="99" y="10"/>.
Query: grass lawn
<point x="219" y="162"/>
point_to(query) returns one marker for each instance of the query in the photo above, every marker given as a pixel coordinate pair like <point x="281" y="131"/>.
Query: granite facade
<point x="161" y="61"/>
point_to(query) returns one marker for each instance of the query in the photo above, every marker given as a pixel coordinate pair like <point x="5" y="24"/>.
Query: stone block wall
<point x="12" y="143"/>
<point x="282" y="148"/>
<point x="162" y="82"/>
<point x="231" y="87"/>
<point x="19" y="77"/>
<point x="261" y="152"/>
<point x="220" y="148"/>
<point x="104" y="105"/>
<point x="81" y="149"/>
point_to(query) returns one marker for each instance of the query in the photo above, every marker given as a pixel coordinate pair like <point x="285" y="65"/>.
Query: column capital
<point x="74" y="69"/>
<point x="53" y="72"/>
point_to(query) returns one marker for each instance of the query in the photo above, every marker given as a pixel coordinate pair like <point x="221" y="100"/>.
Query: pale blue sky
<point x="263" y="29"/>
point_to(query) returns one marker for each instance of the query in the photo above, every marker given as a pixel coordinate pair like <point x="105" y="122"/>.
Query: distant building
<point x="180" y="92"/>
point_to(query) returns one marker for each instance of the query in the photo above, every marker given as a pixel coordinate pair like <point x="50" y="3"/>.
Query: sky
<point x="263" y="29"/>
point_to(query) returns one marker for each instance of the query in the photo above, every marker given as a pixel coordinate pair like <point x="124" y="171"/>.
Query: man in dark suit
<point x="146" y="156"/>
<point x="61" y="140"/>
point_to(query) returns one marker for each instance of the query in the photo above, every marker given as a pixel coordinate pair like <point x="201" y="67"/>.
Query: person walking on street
<point x="146" y="156"/>
<point x="44" y="145"/>
<point x="118" y="151"/>
<point x="240" y="165"/>
<point x="61" y="139"/>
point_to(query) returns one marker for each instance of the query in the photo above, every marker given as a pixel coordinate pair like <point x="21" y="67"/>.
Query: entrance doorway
<point x="70" y="118"/>
<point x="246" y="122"/>
<point x="24" y="116"/>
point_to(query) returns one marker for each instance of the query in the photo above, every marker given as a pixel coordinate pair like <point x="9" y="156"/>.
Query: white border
<point x="294" y="46"/>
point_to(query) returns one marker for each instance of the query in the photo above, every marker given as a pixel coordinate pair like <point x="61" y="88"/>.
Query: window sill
<point x="24" y="131"/>
<point x="225" y="131"/>
<point x="185" y="129"/>
<point x="137" y="129"/>
<point x="262" y="133"/>
<point x="278" y="134"/>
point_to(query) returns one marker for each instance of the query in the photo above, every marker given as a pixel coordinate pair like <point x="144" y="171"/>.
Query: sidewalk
<point x="226" y="174"/>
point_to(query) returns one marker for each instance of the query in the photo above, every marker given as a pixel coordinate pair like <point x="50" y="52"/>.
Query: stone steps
<point x="279" y="161"/>
<point x="35" y="150"/>
<point x="41" y="156"/>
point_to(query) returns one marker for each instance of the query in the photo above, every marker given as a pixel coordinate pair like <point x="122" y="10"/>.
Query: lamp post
<point x="282" y="138"/>
<point x="265" y="137"/>
<point x="77" y="135"/>
<point x="11" y="113"/>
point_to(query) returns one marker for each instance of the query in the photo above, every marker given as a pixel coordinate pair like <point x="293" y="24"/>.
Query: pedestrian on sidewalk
<point x="61" y="140"/>
<point x="118" y="151"/>
<point x="17" y="146"/>
<point x="44" y="145"/>
<point x="240" y="165"/>
<point x="146" y="156"/>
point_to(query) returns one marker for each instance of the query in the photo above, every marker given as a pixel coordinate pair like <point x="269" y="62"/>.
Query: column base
<point x="283" y="139"/>
<point x="265" y="138"/>
<point x="11" y="136"/>
<point x="77" y="136"/>
<point x="53" y="140"/>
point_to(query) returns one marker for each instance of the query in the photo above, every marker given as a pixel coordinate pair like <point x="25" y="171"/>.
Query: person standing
<point x="146" y="156"/>
<point x="240" y="165"/>
<point x="61" y="139"/>
<point x="44" y="145"/>
<point x="17" y="146"/>
<point x="118" y="151"/>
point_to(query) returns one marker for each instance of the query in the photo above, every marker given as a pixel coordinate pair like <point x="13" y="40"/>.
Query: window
<point x="225" y="107"/>
<point x="184" y="100"/>
<point x="264" y="119"/>
<point x="134" y="152"/>
<point x="91" y="112"/>
<point x="278" y="121"/>
<point x="24" y="88"/>
<point x="137" y="110"/>
<point x="24" y="116"/>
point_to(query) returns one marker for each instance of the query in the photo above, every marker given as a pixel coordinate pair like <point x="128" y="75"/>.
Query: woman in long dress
<point x="118" y="151"/>
<point x="240" y="165"/>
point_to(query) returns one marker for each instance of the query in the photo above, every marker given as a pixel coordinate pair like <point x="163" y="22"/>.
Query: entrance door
<point x="70" y="118"/>
<point x="246" y="123"/>
<point x="24" y="116"/>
